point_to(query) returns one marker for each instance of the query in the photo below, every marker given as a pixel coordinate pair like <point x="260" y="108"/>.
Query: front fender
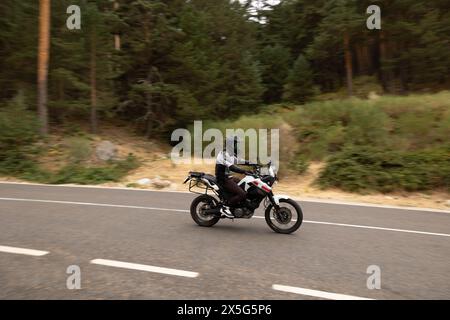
<point x="279" y="197"/>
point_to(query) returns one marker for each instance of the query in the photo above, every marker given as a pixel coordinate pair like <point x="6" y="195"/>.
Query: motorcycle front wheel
<point x="287" y="219"/>
<point x="198" y="207"/>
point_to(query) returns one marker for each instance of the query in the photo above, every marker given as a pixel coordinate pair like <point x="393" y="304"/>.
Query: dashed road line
<point x="28" y="252"/>
<point x="143" y="267"/>
<point x="316" y="293"/>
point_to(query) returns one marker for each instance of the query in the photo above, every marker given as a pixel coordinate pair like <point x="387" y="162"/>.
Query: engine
<point x="244" y="213"/>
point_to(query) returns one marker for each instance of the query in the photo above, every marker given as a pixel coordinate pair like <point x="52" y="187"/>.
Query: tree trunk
<point x="363" y="59"/>
<point x="150" y="111"/>
<point x="117" y="44"/>
<point x="43" y="59"/>
<point x="359" y="68"/>
<point x="94" y="125"/>
<point x="367" y="49"/>
<point x="384" y="74"/>
<point x="348" y="64"/>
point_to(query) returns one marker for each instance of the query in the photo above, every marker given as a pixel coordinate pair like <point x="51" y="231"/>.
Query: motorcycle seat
<point x="194" y="174"/>
<point x="212" y="179"/>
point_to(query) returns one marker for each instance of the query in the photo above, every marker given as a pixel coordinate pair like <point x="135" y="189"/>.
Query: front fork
<point x="273" y="202"/>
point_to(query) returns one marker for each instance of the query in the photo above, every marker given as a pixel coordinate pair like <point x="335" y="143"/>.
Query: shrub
<point x="299" y="164"/>
<point x="417" y="121"/>
<point x="18" y="129"/>
<point x="18" y="132"/>
<point x="72" y="173"/>
<point x="371" y="168"/>
<point x="76" y="173"/>
<point x="363" y="88"/>
<point x="79" y="149"/>
<point x="326" y="127"/>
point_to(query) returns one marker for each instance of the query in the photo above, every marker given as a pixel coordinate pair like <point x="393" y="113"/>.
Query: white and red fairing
<point x="248" y="181"/>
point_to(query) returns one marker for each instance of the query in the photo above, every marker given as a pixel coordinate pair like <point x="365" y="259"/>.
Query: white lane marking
<point x="378" y="228"/>
<point x="259" y="217"/>
<point x="301" y="199"/>
<point x="370" y="227"/>
<point x="92" y="204"/>
<point x="316" y="293"/>
<point x="371" y="205"/>
<point x="28" y="252"/>
<point x="91" y="187"/>
<point x="143" y="267"/>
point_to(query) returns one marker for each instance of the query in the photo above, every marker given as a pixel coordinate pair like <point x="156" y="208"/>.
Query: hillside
<point x="154" y="163"/>
<point x="315" y="139"/>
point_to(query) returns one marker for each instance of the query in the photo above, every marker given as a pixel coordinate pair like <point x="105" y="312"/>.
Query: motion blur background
<point x="365" y="110"/>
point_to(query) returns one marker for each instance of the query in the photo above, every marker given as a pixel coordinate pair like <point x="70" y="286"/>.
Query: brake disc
<point x="283" y="215"/>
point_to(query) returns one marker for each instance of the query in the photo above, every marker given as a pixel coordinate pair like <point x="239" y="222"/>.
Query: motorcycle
<point x="282" y="214"/>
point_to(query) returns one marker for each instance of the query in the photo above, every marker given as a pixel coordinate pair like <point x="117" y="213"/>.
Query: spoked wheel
<point x="198" y="208"/>
<point x="287" y="219"/>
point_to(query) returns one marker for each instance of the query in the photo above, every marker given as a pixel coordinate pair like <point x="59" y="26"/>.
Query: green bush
<point x="78" y="174"/>
<point x="326" y="127"/>
<point x="79" y="149"/>
<point x="410" y="123"/>
<point x="16" y="162"/>
<point x="18" y="129"/>
<point x="18" y="132"/>
<point x="417" y="121"/>
<point x="299" y="164"/>
<point x="370" y="168"/>
<point x="363" y="88"/>
<point x="18" y="150"/>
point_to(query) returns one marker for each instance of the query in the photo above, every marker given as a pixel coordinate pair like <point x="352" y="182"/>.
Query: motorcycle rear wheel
<point x="200" y="204"/>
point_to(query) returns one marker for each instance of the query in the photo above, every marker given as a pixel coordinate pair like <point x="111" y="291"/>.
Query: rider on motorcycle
<point x="226" y="163"/>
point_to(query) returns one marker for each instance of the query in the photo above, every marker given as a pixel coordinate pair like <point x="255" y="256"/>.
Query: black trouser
<point x="230" y="185"/>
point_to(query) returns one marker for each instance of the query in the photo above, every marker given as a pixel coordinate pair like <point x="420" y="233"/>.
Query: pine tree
<point x="242" y="81"/>
<point x="342" y="18"/>
<point x="299" y="86"/>
<point x="275" y="63"/>
<point x="18" y="49"/>
<point x="184" y="60"/>
<point x="83" y="65"/>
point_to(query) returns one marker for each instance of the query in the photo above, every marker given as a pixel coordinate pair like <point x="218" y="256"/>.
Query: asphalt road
<point x="149" y="248"/>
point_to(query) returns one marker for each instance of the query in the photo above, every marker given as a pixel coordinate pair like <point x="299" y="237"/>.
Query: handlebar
<point x="257" y="168"/>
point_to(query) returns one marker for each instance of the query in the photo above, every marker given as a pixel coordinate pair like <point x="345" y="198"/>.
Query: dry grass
<point x="156" y="162"/>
